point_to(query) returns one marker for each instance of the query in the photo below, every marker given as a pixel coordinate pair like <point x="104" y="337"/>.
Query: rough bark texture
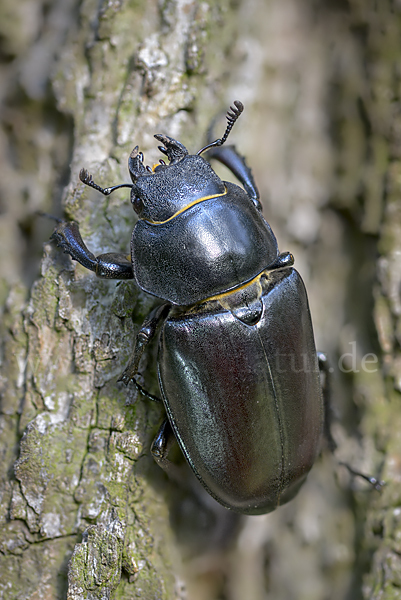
<point x="84" y="513"/>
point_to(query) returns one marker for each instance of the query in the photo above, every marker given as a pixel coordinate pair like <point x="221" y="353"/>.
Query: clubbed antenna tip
<point x="232" y="116"/>
<point x="87" y="179"/>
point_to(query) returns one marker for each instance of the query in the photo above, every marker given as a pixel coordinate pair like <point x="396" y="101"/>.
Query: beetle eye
<point x="137" y="204"/>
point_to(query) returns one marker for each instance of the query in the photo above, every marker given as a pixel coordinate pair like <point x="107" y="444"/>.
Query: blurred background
<point x="81" y="83"/>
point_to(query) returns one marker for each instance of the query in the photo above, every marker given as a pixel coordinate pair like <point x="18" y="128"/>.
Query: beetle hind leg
<point x="160" y="449"/>
<point x="326" y="371"/>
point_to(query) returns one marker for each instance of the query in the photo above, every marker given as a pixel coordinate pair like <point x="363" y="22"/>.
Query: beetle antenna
<point x="86" y="178"/>
<point x="233" y="114"/>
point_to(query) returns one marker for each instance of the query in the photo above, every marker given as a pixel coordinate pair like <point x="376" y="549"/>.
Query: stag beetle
<point x="237" y="365"/>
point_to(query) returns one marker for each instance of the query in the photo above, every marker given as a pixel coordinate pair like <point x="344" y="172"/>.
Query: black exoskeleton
<point x="238" y="369"/>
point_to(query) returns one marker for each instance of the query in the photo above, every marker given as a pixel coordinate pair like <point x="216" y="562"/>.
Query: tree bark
<point x="84" y="512"/>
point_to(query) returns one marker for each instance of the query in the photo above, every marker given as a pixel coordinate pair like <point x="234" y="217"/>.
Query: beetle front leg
<point x="145" y="335"/>
<point x="113" y="265"/>
<point x="229" y="157"/>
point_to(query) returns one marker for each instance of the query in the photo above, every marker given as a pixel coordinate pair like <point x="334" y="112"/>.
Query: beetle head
<point x="159" y="193"/>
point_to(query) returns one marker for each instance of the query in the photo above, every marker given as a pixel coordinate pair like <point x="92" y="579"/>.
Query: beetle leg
<point x="328" y="419"/>
<point x="229" y="157"/>
<point x="378" y="484"/>
<point x="284" y="259"/>
<point x="113" y="265"/>
<point x="324" y="369"/>
<point x="145" y="335"/>
<point x="161" y="447"/>
<point x="145" y="393"/>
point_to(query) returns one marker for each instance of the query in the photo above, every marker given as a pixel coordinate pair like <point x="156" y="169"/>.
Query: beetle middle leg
<point x="145" y="335"/>
<point x="165" y="437"/>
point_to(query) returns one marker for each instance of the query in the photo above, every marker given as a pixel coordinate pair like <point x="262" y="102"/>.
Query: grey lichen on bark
<point x="100" y="546"/>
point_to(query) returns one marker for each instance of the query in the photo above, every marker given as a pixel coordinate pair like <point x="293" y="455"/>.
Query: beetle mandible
<point x="237" y="365"/>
